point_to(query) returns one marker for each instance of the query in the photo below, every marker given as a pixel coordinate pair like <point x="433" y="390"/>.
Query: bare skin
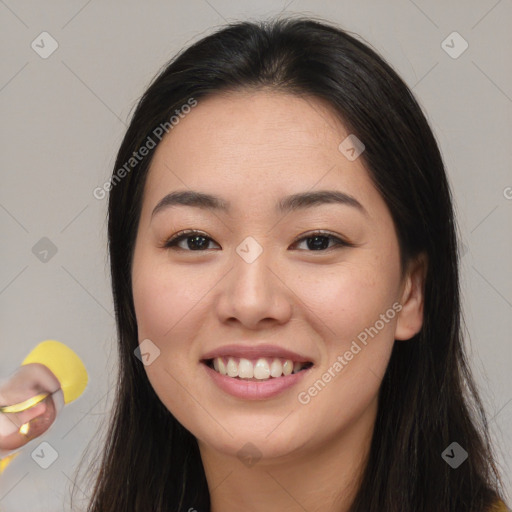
<point x="28" y="381"/>
<point x="252" y="149"/>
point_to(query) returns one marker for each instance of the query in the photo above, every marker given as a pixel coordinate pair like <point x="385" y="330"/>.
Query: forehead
<point x="249" y="118"/>
<point x="259" y="142"/>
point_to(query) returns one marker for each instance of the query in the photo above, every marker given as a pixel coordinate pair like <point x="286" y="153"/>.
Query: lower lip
<point x="254" y="390"/>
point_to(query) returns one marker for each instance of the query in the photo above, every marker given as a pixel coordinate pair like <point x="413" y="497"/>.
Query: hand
<point x="18" y="428"/>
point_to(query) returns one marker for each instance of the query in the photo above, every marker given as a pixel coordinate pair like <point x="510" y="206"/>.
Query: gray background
<point x="63" y="118"/>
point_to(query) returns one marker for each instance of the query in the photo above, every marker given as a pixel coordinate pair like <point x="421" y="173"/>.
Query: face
<point x="259" y="283"/>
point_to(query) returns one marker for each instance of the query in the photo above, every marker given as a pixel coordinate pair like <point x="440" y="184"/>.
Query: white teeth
<point x="287" y="367"/>
<point x="261" y="370"/>
<point x="276" y="368"/>
<point x="245" y="369"/>
<point x="222" y="366"/>
<point x="232" y="368"/>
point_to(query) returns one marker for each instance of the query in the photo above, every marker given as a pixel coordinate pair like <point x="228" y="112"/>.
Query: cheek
<point x="355" y="359"/>
<point x="168" y="309"/>
<point x="352" y="309"/>
<point x="163" y="299"/>
<point x="155" y="306"/>
<point x="161" y="303"/>
<point x="348" y="299"/>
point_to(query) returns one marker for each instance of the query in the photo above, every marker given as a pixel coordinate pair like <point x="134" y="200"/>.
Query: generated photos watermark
<point x="342" y="360"/>
<point x="150" y="143"/>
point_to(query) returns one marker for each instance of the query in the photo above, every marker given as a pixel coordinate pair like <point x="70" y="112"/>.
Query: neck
<point x="324" y="476"/>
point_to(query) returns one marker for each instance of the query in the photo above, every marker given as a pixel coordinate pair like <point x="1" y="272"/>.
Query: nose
<point x="254" y="293"/>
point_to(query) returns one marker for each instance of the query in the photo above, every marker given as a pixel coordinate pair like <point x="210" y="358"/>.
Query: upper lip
<point x="256" y="351"/>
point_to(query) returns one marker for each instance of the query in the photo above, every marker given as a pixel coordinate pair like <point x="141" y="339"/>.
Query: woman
<point x="284" y="266"/>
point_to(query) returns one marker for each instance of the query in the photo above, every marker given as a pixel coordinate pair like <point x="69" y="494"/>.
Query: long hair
<point x="427" y="399"/>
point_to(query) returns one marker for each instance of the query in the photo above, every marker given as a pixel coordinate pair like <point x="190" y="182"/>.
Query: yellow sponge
<point x="5" y="461"/>
<point x="64" y="364"/>
<point x="67" y="368"/>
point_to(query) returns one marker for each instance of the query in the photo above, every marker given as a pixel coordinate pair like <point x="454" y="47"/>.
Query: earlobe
<point x="410" y="318"/>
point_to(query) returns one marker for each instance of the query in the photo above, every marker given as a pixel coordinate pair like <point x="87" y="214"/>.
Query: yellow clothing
<point x="499" y="506"/>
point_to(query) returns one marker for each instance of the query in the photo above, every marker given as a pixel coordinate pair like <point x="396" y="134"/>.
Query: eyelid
<point x="180" y="235"/>
<point x="339" y="241"/>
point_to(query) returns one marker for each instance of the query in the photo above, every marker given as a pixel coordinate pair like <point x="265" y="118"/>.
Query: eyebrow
<point x="287" y="204"/>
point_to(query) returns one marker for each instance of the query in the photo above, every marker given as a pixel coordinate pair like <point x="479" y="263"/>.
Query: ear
<point x="410" y="317"/>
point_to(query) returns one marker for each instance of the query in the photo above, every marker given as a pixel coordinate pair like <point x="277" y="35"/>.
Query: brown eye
<point x="319" y="241"/>
<point x="196" y="241"/>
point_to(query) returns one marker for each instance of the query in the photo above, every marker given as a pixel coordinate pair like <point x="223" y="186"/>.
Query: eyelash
<point x="172" y="242"/>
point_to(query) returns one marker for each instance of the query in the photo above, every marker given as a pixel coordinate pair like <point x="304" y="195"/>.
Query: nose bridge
<point x="251" y="271"/>
<point x="252" y="291"/>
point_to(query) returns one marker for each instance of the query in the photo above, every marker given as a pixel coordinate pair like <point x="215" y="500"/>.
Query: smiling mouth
<point x="259" y="369"/>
